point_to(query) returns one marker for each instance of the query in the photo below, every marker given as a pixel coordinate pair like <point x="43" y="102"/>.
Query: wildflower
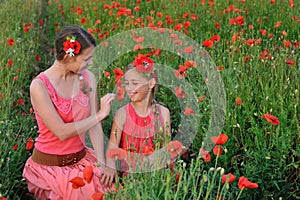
<point x="271" y="118"/>
<point x="188" y="49"/>
<point x="179" y="92"/>
<point x="77" y="182"/>
<point x="29" y="144"/>
<point x="137" y="47"/>
<point x="97" y="196"/>
<point x="205" y="155"/>
<point x="189" y="111"/>
<point x="143" y="63"/>
<point x="217" y="150"/>
<point x="181" y="72"/>
<point x="228" y="177"/>
<point x="106" y="73"/>
<point x="220" y="139"/>
<point x="208" y="43"/>
<point x="120" y="93"/>
<point x="147" y="150"/>
<point x="290" y="62"/>
<point x="10" y="42"/>
<point x="238" y="101"/>
<point x="245" y="183"/>
<point x="88" y="173"/>
<point x="118" y="153"/>
<point x="174" y="148"/>
<point x="118" y="74"/>
<point x="138" y="39"/>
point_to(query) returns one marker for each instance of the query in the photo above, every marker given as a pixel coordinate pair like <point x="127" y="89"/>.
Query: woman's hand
<point x="109" y="175"/>
<point x="105" y="105"/>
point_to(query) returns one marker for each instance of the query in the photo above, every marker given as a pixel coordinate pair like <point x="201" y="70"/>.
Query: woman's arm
<point x="41" y="101"/>
<point x="96" y="132"/>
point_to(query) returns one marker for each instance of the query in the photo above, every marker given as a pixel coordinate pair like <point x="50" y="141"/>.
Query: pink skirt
<point x="53" y="182"/>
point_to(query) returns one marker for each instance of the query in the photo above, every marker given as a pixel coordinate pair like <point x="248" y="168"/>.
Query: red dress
<point x="138" y="132"/>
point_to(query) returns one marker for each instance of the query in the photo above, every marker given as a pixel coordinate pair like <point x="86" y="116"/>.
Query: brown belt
<point x="57" y="160"/>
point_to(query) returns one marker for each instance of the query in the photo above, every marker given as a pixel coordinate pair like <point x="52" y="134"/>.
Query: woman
<point x="64" y="98"/>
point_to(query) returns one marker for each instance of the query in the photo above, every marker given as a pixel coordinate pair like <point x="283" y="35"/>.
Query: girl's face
<point x="137" y="86"/>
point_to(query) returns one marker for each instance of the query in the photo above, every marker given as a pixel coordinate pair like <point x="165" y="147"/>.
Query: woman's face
<point x="84" y="60"/>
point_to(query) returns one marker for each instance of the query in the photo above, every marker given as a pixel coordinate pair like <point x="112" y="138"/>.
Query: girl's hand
<point x="105" y="105"/>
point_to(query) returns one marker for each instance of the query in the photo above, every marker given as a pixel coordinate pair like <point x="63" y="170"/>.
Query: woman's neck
<point x="59" y="70"/>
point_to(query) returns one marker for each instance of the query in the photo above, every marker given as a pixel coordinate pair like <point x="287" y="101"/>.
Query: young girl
<point x="135" y="124"/>
<point x="64" y="98"/>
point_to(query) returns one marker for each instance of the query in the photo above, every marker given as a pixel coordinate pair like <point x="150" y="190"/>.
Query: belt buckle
<point x="69" y="159"/>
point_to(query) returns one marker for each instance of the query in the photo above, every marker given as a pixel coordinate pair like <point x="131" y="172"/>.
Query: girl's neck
<point x="142" y="108"/>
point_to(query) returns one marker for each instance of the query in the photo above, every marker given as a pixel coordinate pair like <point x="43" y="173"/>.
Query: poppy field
<point x="252" y="80"/>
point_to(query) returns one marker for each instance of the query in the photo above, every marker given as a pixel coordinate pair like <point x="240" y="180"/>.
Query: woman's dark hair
<point x="82" y="36"/>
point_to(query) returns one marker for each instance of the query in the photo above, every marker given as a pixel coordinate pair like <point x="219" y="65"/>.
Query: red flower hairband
<point x="71" y="46"/>
<point x="143" y="63"/>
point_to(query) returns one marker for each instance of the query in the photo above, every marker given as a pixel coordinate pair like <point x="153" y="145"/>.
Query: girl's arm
<point x="114" y="142"/>
<point x="40" y="99"/>
<point x="166" y="118"/>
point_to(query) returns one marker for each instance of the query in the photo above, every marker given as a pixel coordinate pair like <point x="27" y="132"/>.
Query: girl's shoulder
<point x="163" y="108"/>
<point x="120" y="115"/>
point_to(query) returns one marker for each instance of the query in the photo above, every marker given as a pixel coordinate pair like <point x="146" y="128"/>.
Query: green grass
<point x="266" y="154"/>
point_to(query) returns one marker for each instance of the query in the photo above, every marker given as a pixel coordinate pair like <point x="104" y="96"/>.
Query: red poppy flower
<point x="29" y="144"/>
<point x="15" y="147"/>
<point x="119" y="153"/>
<point x="97" y="196"/>
<point x="106" y="73"/>
<point x="10" y="62"/>
<point x="118" y="74"/>
<point x="220" y="139"/>
<point x="143" y="63"/>
<point x="77" y="182"/>
<point x="189" y="111"/>
<point x="72" y="46"/>
<point x="205" y="155"/>
<point x="137" y="47"/>
<point x="217" y="150"/>
<point x="208" y="43"/>
<point x="147" y="150"/>
<point x="178" y="27"/>
<point x="271" y="118"/>
<point x="88" y="173"/>
<point x="245" y="183"/>
<point x="174" y="148"/>
<point x="120" y="93"/>
<point x="138" y="39"/>
<point x="287" y="43"/>
<point x="190" y="63"/>
<point x="188" y="49"/>
<point x="290" y="62"/>
<point x="228" y="177"/>
<point x="238" y="101"/>
<point x="181" y="72"/>
<point x="10" y="42"/>
<point x="179" y="92"/>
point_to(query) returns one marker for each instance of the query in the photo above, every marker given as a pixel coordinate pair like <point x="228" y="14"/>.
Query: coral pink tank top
<point x="70" y="110"/>
<point x="138" y="131"/>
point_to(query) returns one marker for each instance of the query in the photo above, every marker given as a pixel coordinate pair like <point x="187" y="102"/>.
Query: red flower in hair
<point x="71" y="46"/>
<point x="143" y="63"/>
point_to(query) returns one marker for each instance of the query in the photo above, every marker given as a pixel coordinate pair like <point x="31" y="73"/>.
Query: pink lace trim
<point x="64" y="104"/>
